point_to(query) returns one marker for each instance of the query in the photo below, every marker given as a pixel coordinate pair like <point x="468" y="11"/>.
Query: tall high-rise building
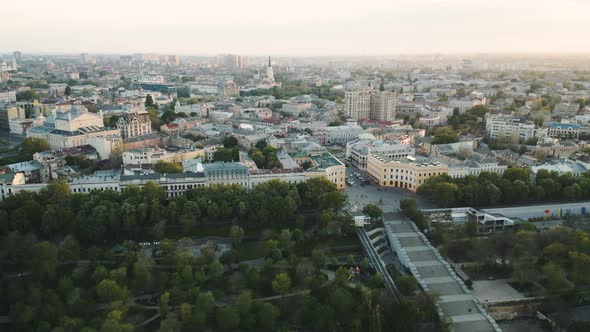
<point x="357" y="103"/>
<point x="383" y="105"/>
<point x="370" y="104"/>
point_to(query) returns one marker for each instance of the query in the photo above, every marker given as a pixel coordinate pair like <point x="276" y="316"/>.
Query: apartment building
<point x="383" y="105"/>
<point x="357" y="103"/>
<point x="513" y="128"/>
<point x="370" y="104"/>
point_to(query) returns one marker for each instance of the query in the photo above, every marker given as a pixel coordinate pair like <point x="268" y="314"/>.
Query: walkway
<point x="436" y="276"/>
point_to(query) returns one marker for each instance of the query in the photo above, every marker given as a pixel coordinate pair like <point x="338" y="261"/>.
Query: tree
<point x="149" y="101"/>
<point x="164" y="304"/>
<point x="113" y="323"/>
<point x="514" y="173"/>
<point x="186" y="311"/>
<point x="170" y="324"/>
<point x="555" y="279"/>
<point x="281" y="283"/>
<point x="445" y="135"/>
<point x="342" y="301"/>
<point x="236" y="233"/>
<point x="166" y="167"/>
<point x="230" y="142"/>
<point x="373" y="211"/>
<point x="68" y="91"/>
<point x="28" y="95"/>
<point x="261" y="145"/>
<point x="407" y="285"/>
<point x="267" y="315"/>
<point x="32" y="145"/>
<point x="108" y="290"/>
<point x="228" y="318"/>
<point x="43" y="259"/>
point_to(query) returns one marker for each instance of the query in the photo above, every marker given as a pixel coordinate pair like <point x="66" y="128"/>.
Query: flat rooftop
<point x="326" y="160"/>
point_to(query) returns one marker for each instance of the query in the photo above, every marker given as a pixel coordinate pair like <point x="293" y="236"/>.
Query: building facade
<point x="133" y="124"/>
<point x="402" y="174"/>
<point x="563" y="130"/>
<point x="7" y="97"/>
<point x="357" y="104"/>
<point x="512" y="128"/>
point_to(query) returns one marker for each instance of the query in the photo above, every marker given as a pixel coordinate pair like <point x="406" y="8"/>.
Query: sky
<point x="295" y="27"/>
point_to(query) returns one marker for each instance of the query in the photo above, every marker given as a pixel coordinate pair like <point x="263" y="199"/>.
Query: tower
<point x="270" y="76"/>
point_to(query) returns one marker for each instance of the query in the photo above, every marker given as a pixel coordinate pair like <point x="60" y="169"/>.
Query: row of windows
<point x="87" y="190"/>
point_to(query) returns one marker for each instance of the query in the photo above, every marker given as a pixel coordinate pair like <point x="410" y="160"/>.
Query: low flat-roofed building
<point x="328" y="166"/>
<point x="13" y="183"/>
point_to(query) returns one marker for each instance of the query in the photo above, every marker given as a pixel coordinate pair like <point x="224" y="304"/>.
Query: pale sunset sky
<point x="296" y="27"/>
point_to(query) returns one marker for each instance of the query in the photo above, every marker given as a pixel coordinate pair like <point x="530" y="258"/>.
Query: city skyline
<point x="300" y="28"/>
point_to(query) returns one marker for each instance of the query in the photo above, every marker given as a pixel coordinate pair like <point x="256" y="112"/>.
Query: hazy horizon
<point x="298" y="28"/>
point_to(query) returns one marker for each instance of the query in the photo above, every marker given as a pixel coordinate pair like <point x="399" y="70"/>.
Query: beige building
<point x="383" y="104"/>
<point x="11" y="113"/>
<point x="357" y="103"/>
<point x="408" y="174"/>
<point x="370" y="104"/>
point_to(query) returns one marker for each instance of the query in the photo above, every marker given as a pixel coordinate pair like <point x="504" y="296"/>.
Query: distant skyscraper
<point x="232" y="61"/>
<point x="17" y="55"/>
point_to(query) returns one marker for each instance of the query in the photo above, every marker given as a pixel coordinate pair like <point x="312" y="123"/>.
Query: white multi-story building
<point x="7" y="97"/>
<point x="358" y="152"/>
<point x="69" y="129"/>
<point x="513" y="128"/>
<point x="146" y="156"/>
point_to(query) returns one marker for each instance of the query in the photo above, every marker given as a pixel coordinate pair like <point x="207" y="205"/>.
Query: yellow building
<point x="328" y="166"/>
<point x="408" y="174"/>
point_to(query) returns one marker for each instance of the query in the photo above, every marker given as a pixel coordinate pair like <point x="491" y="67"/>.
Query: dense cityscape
<point x="240" y="191"/>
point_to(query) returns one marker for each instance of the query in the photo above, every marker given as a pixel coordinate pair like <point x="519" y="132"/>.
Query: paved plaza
<point x="386" y="198"/>
<point x="495" y="291"/>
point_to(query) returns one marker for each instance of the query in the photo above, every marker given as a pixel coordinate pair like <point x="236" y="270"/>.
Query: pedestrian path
<point x="436" y="276"/>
